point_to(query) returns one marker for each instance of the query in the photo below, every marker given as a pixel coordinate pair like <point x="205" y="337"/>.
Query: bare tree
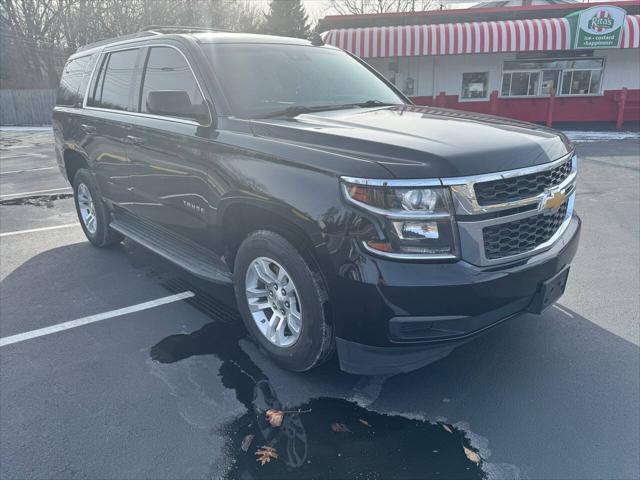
<point x="71" y="23"/>
<point x="359" y="7"/>
<point x="36" y="36"/>
<point x="33" y="20"/>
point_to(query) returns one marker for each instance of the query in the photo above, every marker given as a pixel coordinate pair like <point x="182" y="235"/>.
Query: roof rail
<point x="107" y="41"/>
<point x="151" y="30"/>
<point x="159" y="29"/>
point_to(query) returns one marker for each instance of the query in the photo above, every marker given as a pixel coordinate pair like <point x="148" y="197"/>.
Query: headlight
<point x="418" y="220"/>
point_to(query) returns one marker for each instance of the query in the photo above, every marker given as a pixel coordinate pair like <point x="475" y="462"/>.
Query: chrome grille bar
<point x="466" y="203"/>
<point x="472" y="242"/>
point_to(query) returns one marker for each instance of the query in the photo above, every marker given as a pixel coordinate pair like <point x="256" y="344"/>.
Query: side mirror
<point x="176" y="103"/>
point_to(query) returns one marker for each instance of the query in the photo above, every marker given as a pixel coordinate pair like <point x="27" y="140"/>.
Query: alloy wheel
<point x="273" y="302"/>
<point x="87" y="209"/>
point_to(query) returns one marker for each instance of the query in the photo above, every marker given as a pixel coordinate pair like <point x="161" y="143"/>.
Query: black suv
<point x="345" y="217"/>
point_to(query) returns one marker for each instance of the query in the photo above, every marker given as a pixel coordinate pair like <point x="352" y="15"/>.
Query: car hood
<point x="420" y="142"/>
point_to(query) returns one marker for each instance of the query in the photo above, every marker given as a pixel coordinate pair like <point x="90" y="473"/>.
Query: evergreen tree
<point x="287" y="18"/>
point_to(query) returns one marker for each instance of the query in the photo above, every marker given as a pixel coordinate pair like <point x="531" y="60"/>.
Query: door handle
<point x="133" y="140"/>
<point x="88" y="128"/>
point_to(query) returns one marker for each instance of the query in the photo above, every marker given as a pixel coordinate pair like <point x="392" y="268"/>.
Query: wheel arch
<point x="241" y="217"/>
<point x="73" y="161"/>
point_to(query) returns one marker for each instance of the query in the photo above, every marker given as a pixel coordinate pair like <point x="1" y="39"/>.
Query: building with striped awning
<point x="543" y="63"/>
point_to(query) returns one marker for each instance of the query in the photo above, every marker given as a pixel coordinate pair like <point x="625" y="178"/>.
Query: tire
<point x="315" y="338"/>
<point x="89" y="205"/>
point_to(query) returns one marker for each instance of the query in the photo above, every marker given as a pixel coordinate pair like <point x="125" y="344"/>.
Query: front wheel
<point x="282" y="299"/>
<point x="92" y="212"/>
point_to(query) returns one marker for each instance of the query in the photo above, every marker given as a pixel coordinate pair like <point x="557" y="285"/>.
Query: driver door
<point x="170" y="153"/>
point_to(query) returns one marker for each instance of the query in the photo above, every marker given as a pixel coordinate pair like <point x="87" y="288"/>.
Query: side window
<point x="114" y="82"/>
<point x="169" y="87"/>
<point x="91" y="63"/>
<point x="70" y="92"/>
<point x="475" y="85"/>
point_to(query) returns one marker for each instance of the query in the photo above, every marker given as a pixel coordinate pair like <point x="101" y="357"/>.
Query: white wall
<point x="418" y="68"/>
<point x="622" y="69"/>
<point x="449" y="70"/>
<point x="433" y="75"/>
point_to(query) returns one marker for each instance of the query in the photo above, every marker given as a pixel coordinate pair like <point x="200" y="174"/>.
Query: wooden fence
<point x="26" y="107"/>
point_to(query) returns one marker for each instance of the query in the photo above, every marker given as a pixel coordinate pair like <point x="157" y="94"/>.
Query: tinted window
<point x="167" y="69"/>
<point x="87" y="75"/>
<point x="258" y="79"/>
<point x="114" y="82"/>
<point x="70" y="92"/>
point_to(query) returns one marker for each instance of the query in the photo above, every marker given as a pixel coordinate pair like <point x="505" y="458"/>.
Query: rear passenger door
<point x="169" y="153"/>
<point x="107" y="122"/>
<point x="68" y="113"/>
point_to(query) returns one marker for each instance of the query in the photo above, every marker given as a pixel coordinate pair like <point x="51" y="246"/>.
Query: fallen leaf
<point x="265" y="454"/>
<point x="364" y="422"/>
<point x="447" y="428"/>
<point x="246" y="442"/>
<point x="471" y="455"/>
<point x="340" y="428"/>
<point x="275" y="417"/>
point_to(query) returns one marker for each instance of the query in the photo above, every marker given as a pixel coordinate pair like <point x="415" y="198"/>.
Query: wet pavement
<point x="175" y="391"/>
<point x="394" y="446"/>
<point x="28" y="164"/>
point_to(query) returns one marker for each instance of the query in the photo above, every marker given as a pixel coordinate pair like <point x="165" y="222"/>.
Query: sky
<point x="317" y="9"/>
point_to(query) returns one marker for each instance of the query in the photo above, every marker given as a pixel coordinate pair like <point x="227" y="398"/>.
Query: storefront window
<point x="475" y="85"/>
<point x="581" y="82"/>
<point x="518" y="84"/>
<point x="550" y="79"/>
<point x="537" y="77"/>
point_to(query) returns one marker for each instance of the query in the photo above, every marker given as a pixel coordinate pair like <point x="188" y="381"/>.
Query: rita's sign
<point x="597" y="27"/>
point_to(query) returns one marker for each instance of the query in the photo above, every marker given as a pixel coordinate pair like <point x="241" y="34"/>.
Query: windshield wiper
<point x="374" y="103"/>
<point x="296" y="110"/>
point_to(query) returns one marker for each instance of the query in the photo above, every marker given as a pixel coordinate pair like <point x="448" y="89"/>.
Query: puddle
<point x="39" y="201"/>
<point x="376" y="445"/>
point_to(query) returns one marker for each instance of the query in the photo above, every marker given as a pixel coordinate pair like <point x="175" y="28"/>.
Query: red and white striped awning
<point x="465" y="38"/>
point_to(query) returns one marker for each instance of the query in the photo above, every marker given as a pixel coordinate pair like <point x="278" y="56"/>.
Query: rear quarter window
<point x="74" y="81"/>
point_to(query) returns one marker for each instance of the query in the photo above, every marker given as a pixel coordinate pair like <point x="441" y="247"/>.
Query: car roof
<point x="232" y="37"/>
<point x="203" y="36"/>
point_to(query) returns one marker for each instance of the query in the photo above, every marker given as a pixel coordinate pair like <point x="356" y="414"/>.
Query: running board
<point x="195" y="259"/>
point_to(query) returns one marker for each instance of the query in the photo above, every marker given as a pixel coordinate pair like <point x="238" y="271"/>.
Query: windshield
<point x="263" y="79"/>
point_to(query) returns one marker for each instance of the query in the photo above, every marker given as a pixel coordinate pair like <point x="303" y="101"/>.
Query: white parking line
<point x="20" y="155"/>
<point x="21" y="337"/>
<point x="14" y="147"/>
<point x="27" y="170"/>
<point x="558" y="307"/>
<point x="42" y="229"/>
<point x="25" y="194"/>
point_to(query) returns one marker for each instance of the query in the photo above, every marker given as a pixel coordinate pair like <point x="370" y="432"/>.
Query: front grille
<point x="521" y="236"/>
<point x="518" y="188"/>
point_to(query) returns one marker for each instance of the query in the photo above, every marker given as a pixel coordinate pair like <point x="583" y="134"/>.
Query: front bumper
<point x="393" y="317"/>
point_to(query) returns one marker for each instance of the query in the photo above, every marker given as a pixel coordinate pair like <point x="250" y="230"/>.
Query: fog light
<point x="416" y="230"/>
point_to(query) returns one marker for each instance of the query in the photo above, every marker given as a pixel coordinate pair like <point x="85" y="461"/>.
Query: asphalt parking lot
<point x="170" y="388"/>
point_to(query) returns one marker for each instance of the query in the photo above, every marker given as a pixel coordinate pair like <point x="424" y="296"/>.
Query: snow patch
<point x="26" y="129"/>
<point x="585" y="136"/>
<point x="494" y="471"/>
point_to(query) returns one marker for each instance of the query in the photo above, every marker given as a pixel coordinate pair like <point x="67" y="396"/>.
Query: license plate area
<point x="549" y="291"/>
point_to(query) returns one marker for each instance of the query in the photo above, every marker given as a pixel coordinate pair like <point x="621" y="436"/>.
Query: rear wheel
<point x="92" y="212"/>
<point x="282" y="299"/>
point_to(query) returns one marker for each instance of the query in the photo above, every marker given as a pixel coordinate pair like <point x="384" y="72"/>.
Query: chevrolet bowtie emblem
<point x="553" y="201"/>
